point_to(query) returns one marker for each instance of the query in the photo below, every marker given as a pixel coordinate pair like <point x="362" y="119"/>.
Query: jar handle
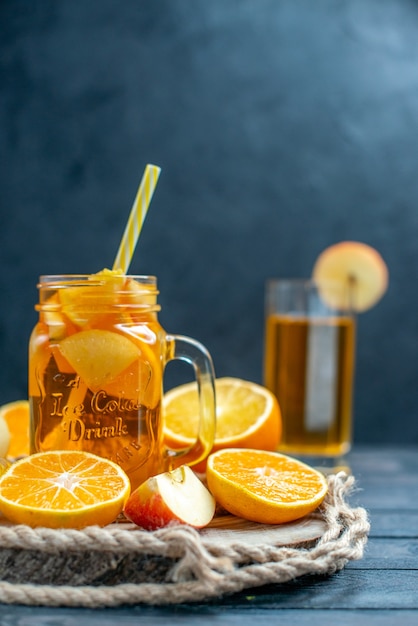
<point x="194" y="353"/>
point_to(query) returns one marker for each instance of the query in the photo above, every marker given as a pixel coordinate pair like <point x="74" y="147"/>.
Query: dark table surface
<point x="381" y="588"/>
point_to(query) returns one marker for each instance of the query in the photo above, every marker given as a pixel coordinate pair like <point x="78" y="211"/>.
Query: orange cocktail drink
<point x="96" y="363"/>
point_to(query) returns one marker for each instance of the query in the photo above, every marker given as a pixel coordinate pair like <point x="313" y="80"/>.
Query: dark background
<point x="281" y="126"/>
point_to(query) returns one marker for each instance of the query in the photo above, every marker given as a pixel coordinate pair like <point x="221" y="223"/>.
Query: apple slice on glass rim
<point x="358" y="268"/>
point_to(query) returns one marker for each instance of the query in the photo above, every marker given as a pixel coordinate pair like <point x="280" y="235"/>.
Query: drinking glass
<point x="96" y="362"/>
<point x="309" y="357"/>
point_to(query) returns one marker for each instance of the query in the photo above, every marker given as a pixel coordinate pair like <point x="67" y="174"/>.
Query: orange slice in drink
<point x="264" y="487"/>
<point x="83" y="303"/>
<point x="15" y="415"/>
<point x="63" y="489"/>
<point x="358" y="268"/>
<point x="138" y="293"/>
<point x="247" y="415"/>
<point x="57" y="327"/>
<point x="98" y="356"/>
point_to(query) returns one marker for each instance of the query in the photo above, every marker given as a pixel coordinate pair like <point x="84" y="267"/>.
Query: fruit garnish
<point x="57" y="327"/>
<point x="247" y="415"/>
<point x="63" y="489"/>
<point x="82" y="301"/>
<point x="108" y="274"/>
<point x="358" y="268"/>
<point x="4" y="465"/>
<point x="263" y="486"/>
<point x="175" y="497"/>
<point x="98" y="356"/>
<point x="15" y="416"/>
<point x="138" y="293"/>
<point x="4" y="437"/>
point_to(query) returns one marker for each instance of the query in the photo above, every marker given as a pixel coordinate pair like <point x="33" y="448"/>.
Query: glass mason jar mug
<point x="96" y="362"/>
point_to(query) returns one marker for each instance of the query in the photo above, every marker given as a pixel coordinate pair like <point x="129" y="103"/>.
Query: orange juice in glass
<point x="96" y="362"/>
<point x="309" y="357"/>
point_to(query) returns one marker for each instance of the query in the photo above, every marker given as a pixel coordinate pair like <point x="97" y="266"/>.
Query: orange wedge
<point x="358" y="268"/>
<point x="16" y="417"/>
<point x="247" y="415"/>
<point x="264" y="487"/>
<point x="63" y="489"/>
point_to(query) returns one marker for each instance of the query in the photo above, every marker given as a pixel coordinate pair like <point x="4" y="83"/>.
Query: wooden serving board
<point x="74" y="558"/>
<point x="229" y="530"/>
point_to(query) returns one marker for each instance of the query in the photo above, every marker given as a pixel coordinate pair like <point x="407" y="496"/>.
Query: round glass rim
<point x="46" y="280"/>
<point x="335" y="295"/>
<point x="303" y="282"/>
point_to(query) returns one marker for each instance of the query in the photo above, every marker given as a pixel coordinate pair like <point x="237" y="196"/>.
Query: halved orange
<point x="358" y="268"/>
<point x="16" y="416"/>
<point x="63" y="489"/>
<point x="247" y="415"/>
<point x="263" y="486"/>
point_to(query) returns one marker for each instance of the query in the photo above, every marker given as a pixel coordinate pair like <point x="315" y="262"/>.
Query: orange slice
<point x="83" y="303"/>
<point x="247" y="415"/>
<point x="16" y="417"/>
<point x="64" y="489"/>
<point x="138" y="293"/>
<point x="353" y="265"/>
<point x="57" y="328"/>
<point x="264" y="487"/>
<point x="98" y="356"/>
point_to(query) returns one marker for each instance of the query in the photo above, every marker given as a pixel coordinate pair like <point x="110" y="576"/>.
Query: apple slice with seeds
<point x="359" y="269"/>
<point x="175" y="497"/>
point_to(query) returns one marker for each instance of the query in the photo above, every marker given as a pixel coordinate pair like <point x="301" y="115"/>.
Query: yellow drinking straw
<point x="136" y="218"/>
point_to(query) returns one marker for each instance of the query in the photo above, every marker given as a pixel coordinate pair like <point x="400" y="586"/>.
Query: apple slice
<point x="4" y="438"/>
<point x="175" y="497"/>
<point x="359" y="269"/>
<point x="98" y="356"/>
